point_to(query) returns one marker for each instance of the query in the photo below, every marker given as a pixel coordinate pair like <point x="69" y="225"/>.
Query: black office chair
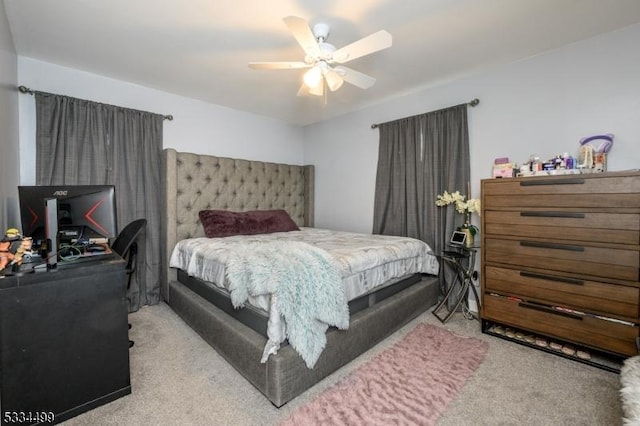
<point x="125" y="245"/>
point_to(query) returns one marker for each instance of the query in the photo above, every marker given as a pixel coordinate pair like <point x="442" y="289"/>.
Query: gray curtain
<point x="419" y="158"/>
<point x="79" y="142"/>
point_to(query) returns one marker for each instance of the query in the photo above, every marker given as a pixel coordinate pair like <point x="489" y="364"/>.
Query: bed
<point x="193" y="183"/>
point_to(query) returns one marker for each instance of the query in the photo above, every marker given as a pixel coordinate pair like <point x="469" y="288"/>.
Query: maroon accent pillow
<point x="224" y="223"/>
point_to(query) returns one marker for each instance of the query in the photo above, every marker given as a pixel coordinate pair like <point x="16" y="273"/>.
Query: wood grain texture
<point x="570" y="242"/>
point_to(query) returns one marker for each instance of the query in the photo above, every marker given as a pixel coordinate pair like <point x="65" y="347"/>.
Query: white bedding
<point x="365" y="262"/>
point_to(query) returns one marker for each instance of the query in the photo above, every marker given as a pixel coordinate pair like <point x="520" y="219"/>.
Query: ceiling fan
<point x="324" y="60"/>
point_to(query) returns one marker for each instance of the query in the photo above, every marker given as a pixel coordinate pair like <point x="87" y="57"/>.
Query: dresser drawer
<point x="591" y="296"/>
<point x="598" y="333"/>
<point x="613" y="201"/>
<point x="614" y="263"/>
<point x="615" y="228"/>
<point x="564" y="185"/>
<point x="563" y="191"/>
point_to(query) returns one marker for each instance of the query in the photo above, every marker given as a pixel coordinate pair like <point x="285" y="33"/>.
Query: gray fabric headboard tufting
<point x="193" y="182"/>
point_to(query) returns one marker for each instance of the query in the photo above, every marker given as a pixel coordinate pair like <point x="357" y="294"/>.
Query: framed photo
<point x="458" y="238"/>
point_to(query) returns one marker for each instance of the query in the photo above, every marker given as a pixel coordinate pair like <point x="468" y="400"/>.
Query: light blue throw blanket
<point x="306" y="283"/>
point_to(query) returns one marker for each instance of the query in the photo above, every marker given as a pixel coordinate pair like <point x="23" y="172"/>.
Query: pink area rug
<point x="411" y="383"/>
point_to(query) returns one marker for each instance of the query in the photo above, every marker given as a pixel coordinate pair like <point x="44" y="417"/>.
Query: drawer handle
<point x="554" y="214"/>
<point x="533" y="182"/>
<point x="548" y="310"/>
<point x="551" y="278"/>
<point x="554" y="246"/>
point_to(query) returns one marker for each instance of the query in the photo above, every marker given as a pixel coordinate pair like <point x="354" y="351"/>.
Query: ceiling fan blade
<point x="354" y="77"/>
<point x="364" y="46"/>
<point x="303" y="34"/>
<point x="278" y="65"/>
<point x="334" y="81"/>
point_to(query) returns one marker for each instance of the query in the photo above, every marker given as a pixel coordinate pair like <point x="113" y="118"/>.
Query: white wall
<point x="542" y="105"/>
<point x="9" y="153"/>
<point x="197" y="126"/>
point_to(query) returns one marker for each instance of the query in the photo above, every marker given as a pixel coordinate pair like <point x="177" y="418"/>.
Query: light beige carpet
<point x="177" y="379"/>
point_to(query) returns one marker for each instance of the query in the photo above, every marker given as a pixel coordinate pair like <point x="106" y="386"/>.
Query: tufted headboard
<point x="193" y="182"/>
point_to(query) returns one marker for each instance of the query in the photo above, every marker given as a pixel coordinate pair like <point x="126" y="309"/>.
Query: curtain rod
<point x="28" y="91"/>
<point x="471" y="103"/>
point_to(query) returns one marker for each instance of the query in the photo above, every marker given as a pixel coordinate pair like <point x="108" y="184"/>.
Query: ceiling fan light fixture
<point x="318" y="90"/>
<point x="313" y="77"/>
<point x="334" y="81"/>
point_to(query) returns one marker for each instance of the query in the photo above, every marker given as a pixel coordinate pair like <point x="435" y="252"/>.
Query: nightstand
<point x="462" y="261"/>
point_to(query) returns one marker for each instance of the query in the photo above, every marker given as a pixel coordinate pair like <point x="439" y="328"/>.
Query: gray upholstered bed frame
<point x="194" y="182"/>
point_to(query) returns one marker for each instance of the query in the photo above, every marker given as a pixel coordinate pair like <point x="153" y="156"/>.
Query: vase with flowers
<point x="465" y="207"/>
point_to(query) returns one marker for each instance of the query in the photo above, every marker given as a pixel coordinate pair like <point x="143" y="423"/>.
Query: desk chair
<point x="125" y="245"/>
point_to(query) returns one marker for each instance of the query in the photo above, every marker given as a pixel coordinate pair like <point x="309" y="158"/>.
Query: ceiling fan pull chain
<point x="324" y="82"/>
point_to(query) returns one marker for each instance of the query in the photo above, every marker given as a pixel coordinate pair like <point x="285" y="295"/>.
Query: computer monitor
<point x="84" y="211"/>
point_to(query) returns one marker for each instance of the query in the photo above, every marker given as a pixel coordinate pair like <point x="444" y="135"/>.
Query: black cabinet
<point x="63" y="341"/>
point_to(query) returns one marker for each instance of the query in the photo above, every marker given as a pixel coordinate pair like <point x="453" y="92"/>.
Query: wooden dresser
<point x="561" y="258"/>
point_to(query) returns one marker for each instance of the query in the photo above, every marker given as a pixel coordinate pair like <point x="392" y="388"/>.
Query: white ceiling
<point x="200" y="48"/>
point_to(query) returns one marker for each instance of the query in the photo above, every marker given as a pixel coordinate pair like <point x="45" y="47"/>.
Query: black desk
<point x="64" y="347"/>
<point x="462" y="260"/>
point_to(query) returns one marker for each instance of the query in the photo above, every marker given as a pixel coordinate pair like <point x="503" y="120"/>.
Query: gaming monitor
<point x="84" y="211"/>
